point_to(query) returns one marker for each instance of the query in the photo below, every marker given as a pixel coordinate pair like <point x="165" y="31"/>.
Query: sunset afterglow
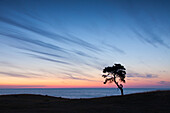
<point x="66" y="44"/>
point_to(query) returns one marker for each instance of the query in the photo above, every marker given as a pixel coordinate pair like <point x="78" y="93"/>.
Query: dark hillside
<point x="149" y="102"/>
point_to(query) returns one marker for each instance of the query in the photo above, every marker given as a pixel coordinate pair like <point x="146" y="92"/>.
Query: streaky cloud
<point x="115" y="48"/>
<point x="118" y="50"/>
<point x="142" y="38"/>
<point x="141" y="75"/>
<point x="36" y="30"/>
<point x="14" y="74"/>
<point x="83" y="43"/>
<point x="151" y="76"/>
<point x="35" y="42"/>
<point x="154" y="38"/>
<point x="150" y="38"/>
<point x="94" y="66"/>
<point x="39" y="52"/>
<point x="47" y="59"/>
<point x="167" y="83"/>
<point x="84" y="54"/>
<point x="70" y="76"/>
<point x="8" y="64"/>
<point x="76" y="71"/>
<point x="51" y="35"/>
<point x="147" y="32"/>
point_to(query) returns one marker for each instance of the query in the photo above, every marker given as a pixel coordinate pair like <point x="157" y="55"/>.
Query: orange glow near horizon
<point x="75" y="84"/>
<point x="16" y="82"/>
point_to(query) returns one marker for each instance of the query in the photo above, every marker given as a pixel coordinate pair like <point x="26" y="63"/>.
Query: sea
<point x="77" y="93"/>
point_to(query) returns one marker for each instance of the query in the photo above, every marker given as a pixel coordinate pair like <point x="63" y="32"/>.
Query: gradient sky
<point x="67" y="43"/>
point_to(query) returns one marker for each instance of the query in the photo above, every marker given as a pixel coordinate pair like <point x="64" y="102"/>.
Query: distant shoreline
<point x="76" y="93"/>
<point x="154" y="91"/>
<point x="86" y="88"/>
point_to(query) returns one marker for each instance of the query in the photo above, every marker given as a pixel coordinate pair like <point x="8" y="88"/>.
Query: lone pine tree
<point x="116" y="71"/>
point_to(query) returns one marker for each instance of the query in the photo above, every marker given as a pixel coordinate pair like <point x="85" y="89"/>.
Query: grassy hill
<point x="149" y="102"/>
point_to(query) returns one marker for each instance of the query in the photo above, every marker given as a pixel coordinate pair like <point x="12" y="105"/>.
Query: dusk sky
<point x="67" y="43"/>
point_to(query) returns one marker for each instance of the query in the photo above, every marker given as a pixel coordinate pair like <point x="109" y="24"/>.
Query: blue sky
<point x="75" y="39"/>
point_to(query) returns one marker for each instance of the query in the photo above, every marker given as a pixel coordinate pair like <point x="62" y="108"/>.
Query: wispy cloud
<point x="30" y="27"/>
<point x="35" y="42"/>
<point x="70" y="76"/>
<point x="145" y="25"/>
<point x="40" y="52"/>
<point x="24" y="74"/>
<point x="141" y="75"/>
<point x="14" y="74"/>
<point x="95" y="66"/>
<point x="84" y="54"/>
<point x="151" y="38"/>
<point x="117" y="49"/>
<point x="164" y="83"/>
<point x="47" y="59"/>
<point x="76" y="71"/>
<point x="70" y="39"/>
<point x="83" y="43"/>
<point x="114" y="48"/>
<point x="8" y="64"/>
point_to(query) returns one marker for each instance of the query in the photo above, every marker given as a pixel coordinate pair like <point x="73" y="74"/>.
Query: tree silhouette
<point x="116" y="71"/>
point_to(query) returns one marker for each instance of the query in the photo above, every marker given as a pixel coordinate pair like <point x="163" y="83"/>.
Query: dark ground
<point x="151" y="102"/>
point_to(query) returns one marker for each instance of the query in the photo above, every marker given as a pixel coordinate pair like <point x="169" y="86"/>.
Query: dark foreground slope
<point x="151" y="102"/>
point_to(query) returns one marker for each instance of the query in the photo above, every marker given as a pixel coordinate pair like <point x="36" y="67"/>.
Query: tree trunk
<point x="120" y="87"/>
